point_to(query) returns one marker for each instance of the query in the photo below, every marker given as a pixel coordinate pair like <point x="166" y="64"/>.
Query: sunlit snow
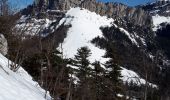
<point x="85" y="26"/>
<point x="18" y="85"/>
<point x="157" y="20"/>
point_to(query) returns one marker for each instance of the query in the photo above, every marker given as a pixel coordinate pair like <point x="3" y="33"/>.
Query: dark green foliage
<point x="83" y="72"/>
<point x="98" y="77"/>
<point x="32" y="66"/>
<point x="112" y="64"/>
<point x="82" y="62"/>
<point x="112" y="77"/>
<point x="114" y="73"/>
<point x="126" y="53"/>
<point x="164" y="83"/>
<point x="163" y="38"/>
<point x="54" y="78"/>
<point x="123" y="52"/>
<point x="96" y="83"/>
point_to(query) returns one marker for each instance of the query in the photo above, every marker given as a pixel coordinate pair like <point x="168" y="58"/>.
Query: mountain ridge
<point x="112" y="10"/>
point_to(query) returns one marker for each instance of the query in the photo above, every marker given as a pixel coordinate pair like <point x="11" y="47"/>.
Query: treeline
<point x="75" y="79"/>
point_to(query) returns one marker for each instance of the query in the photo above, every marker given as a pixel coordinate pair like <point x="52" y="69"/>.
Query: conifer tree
<point x="114" y="73"/>
<point x="82" y="62"/>
<point x="98" y="80"/>
<point x="83" y="72"/>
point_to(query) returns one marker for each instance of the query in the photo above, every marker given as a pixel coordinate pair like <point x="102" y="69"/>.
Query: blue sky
<point x="24" y="3"/>
<point x="130" y="2"/>
<point x="21" y="3"/>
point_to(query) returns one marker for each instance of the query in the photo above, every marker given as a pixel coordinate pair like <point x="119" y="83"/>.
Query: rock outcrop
<point x="3" y="45"/>
<point x="114" y="10"/>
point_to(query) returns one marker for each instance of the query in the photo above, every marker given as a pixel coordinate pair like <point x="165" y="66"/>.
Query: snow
<point x="157" y="20"/>
<point x="18" y="85"/>
<point x="85" y="26"/>
<point x="131" y="76"/>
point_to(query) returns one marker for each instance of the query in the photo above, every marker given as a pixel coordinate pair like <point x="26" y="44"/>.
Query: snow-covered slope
<point x="131" y="76"/>
<point x="85" y="26"/>
<point x="157" y="20"/>
<point x="18" y="85"/>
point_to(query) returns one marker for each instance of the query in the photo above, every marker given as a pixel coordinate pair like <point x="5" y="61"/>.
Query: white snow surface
<point x="131" y="76"/>
<point x="85" y="26"/>
<point x="157" y="20"/>
<point x="18" y="85"/>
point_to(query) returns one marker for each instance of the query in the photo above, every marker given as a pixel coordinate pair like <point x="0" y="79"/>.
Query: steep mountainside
<point x="18" y="85"/>
<point x="83" y="26"/>
<point x="139" y="35"/>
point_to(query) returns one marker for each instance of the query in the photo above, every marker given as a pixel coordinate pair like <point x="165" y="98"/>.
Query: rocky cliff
<point x="113" y="10"/>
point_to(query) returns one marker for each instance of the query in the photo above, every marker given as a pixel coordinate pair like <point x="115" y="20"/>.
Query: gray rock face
<point x="3" y="45"/>
<point x="114" y="10"/>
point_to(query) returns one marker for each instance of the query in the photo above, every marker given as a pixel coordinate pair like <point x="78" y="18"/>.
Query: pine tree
<point x="83" y="72"/>
<point x="98" y="80"/>
<point x="82" y="62"/>
<point x="114" y="73"/>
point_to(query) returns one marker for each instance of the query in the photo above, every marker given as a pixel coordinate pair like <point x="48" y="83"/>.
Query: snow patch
<point x="130" y="76"/>
<point x="129" y="36"/>
<point x="157" y="20"/>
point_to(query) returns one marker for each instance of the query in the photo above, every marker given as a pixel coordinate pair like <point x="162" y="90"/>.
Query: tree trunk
<point x="69" y="91"/>
<point x="146" y="87"/>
